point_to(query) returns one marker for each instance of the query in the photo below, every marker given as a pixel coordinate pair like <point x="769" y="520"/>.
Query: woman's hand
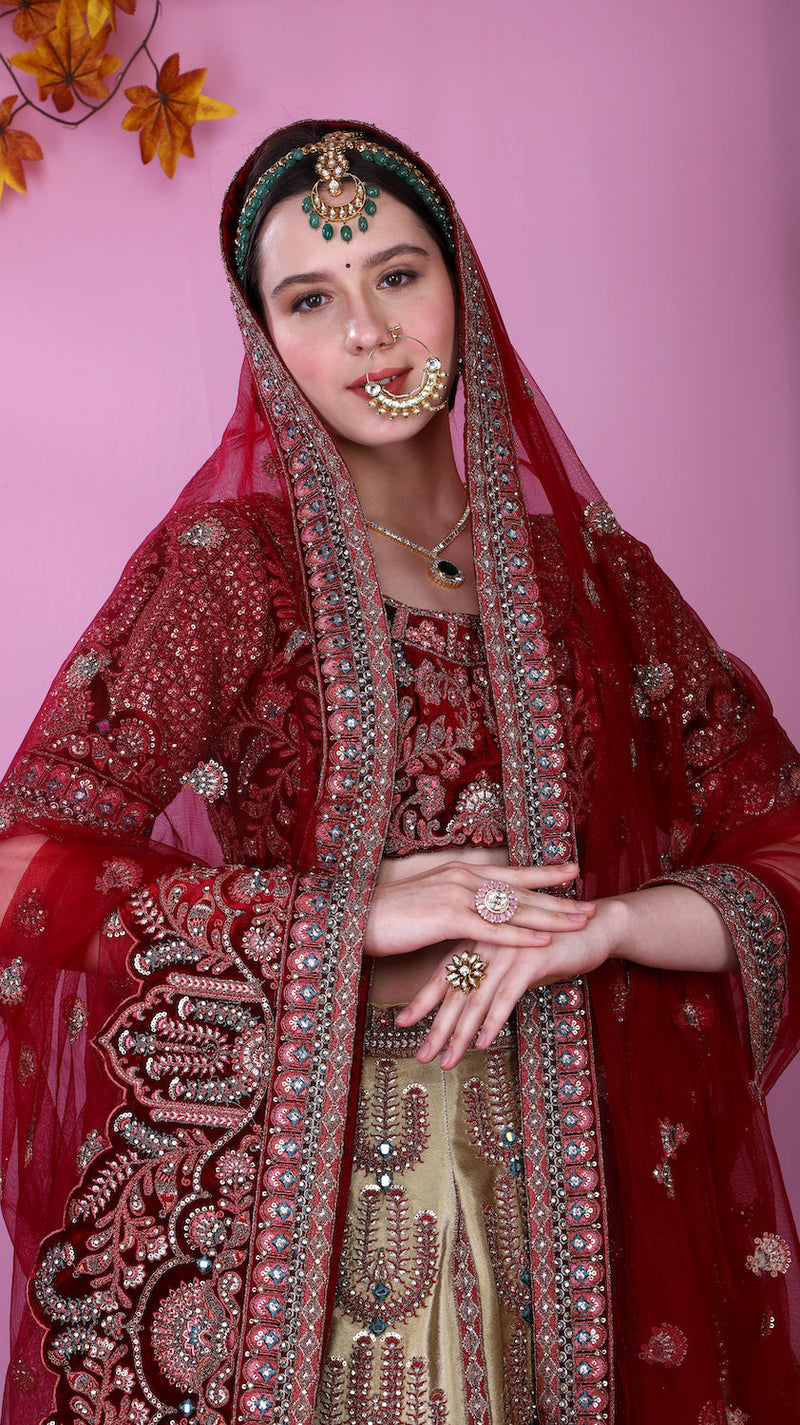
<point x="510" y="971"/>
<point x="666" y="927"/>
<point x="439" y="905"/>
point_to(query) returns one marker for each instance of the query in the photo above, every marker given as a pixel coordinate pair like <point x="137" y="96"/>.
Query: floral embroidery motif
<point x="666" y="1346"/>
<point x="771" y="1256"/>
<point x="75" y="1013"/>
<point x="192" y="1336"/>
<point x="12" y="990"/>
<point x="654" y="681"/>
<point x="398" y="1276"/>
<point x="479" y="815"/>
<point x="83" y="669"/>
<point x="7" y="816"/>
<point x="208" y="779"/>
<point x="391" y="1132"/>
<point x="30" y="917"/>
<point x="600" y="517"/>
<point x="718" y="1413"/>
<point x="404" y="1396"/>
<point x="121" y="874"/>
<point x="113" y="927"/>
<point x="673" y="1137"/>
<point x="23" y="1377"/>
<point x="207" y="533"/>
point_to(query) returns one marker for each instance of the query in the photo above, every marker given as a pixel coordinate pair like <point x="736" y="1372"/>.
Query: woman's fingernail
<point x="576" y="915"/>
<point x="425" y="1051"/>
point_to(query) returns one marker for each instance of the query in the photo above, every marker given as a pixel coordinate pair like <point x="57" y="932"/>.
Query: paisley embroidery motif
<point x="12" y="989"/>
<point x="770" y="1256"/>
<point x="666" y="1346"/>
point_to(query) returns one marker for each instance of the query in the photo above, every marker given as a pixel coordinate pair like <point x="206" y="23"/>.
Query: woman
<point x="422" y="1105"/>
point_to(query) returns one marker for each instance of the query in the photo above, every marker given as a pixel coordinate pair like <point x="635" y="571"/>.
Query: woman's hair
<point x="300" y="178"/>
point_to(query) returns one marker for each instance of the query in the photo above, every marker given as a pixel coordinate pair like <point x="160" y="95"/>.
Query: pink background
<point x="628" y="171"/>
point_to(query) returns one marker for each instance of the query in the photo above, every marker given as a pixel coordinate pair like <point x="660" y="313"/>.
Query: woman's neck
<point x="413" y="486"/>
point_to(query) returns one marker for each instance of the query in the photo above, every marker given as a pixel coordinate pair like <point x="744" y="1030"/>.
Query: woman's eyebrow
<point x="300" y="277"/>
<point x="388" y="254"/>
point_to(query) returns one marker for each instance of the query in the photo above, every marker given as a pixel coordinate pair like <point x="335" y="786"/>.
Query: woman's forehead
<point x="287" y="242"/>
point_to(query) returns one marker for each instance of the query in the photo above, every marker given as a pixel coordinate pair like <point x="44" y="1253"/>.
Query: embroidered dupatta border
<point x="572" y="1337"/>
<point x="283" y="1331"/>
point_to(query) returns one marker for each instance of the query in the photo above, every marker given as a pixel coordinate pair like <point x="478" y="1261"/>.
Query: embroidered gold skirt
<point x="431" y="1321"/>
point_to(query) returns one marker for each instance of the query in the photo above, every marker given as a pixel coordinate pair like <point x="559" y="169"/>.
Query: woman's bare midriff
<point x="397" y="978"/>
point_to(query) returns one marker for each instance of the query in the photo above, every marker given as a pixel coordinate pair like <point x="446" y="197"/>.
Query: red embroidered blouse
<point x="447" y="788"/>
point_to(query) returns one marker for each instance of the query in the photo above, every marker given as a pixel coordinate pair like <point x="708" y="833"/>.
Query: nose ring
<point x="426" y="397"/>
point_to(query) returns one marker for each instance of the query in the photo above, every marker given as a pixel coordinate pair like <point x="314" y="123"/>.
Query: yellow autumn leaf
<point x="69" y="60"/>
<point x="15" y="147"/>
<point x="164" y="116"/>
<point x="104" y="12"/>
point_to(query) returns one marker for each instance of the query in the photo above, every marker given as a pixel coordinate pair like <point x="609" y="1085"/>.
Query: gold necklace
<point x="441" y="571"/>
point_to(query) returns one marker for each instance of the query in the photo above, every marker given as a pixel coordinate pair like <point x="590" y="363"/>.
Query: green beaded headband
<point x="334" y="170"/>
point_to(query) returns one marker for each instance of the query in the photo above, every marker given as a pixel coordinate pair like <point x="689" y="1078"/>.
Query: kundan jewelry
<point x="333" y="167"/>
<point x="428" y="394"/>
<point x="465" y="972"/>
<point x="495" y="902"/>
<point x="441" y="571"/>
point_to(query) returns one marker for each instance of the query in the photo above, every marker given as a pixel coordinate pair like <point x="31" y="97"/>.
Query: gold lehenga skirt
<point x="431" y="1321"/>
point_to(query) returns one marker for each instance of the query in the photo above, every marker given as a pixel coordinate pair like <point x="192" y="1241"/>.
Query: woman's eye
<point x="397" y="278"/>
<point x="308" y="303"/>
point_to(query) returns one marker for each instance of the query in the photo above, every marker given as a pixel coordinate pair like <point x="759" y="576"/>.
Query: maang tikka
<point x="428" y="395"/>
<point x="333" y="168"/>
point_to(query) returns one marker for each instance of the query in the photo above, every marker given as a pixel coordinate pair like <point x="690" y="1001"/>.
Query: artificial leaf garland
<point x="68" y="59"/>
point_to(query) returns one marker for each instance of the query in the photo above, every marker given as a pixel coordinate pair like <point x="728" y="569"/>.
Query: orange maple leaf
<point x="165" y="115"/>
<point x="101" y="12"/>
<point x="15" y="146"/>
<point x="34" y="17"/>
<point x="68" y="59"/>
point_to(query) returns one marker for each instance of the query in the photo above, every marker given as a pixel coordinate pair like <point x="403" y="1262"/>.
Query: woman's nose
<point x="365" y="327"/>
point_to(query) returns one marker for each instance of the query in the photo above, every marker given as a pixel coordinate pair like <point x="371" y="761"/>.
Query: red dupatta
<point x="181" y="1039"/>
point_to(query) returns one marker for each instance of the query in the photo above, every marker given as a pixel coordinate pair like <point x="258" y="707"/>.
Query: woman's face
<point x="327" y="304"/>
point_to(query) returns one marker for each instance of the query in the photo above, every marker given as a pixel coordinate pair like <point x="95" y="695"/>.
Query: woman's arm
<point x="549" y="938"/>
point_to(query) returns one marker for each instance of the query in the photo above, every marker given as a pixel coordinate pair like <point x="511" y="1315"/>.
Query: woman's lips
<point x="391" y="378"/>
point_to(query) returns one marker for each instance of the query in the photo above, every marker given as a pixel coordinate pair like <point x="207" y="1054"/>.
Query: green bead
<point x="373" y="191"/>
<point x="347" y="233"/>
<point x="313" y="220"/>
<point x="380" y="158"/>
<point x="392" y="162"/>
<point x="369" y="207"/>
<point x="296" y="154"/>
<point x="362" y="224"/>
<point x="327" y="231"/>
<point x="306" y="204"/>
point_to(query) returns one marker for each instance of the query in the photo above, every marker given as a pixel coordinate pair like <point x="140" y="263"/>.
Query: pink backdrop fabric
<point x="628" y="172"/>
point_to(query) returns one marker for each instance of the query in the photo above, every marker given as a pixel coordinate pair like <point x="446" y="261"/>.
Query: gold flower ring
<point x="465" y="972"/>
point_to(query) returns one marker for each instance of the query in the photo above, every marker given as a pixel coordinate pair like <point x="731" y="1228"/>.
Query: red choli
<point x="447" y="789"/>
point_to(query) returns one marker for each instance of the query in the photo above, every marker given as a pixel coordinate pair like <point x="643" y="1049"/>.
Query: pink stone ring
<point x="495" y="902"/>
